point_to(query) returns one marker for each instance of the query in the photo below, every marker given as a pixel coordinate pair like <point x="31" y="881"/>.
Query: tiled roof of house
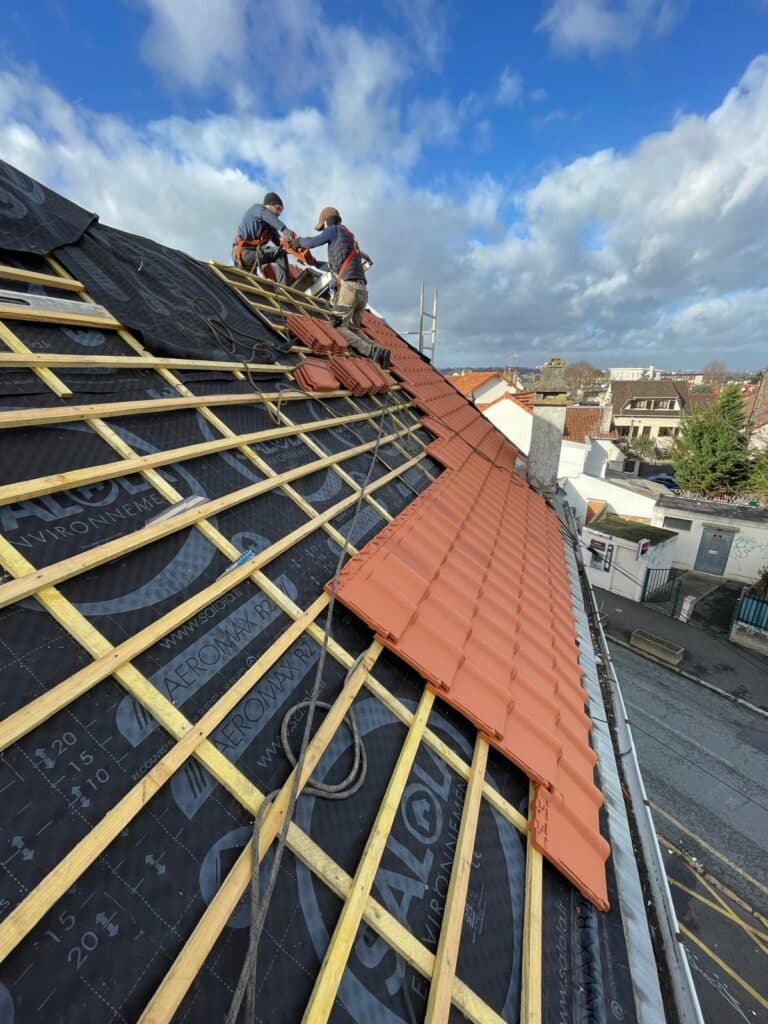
<point x="580" y="422"/>
<point x="755" y="400"/>
<point x="522" y="398"/>
<point x="468" y="383"/>
<point x="622" y="391"/>
<point x="178" y="489"/>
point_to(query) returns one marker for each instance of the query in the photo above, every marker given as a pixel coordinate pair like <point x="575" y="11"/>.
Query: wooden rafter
<point x="336" y="956"/>
<point x="439" y="1002"/>
<point x="530" y="999"/>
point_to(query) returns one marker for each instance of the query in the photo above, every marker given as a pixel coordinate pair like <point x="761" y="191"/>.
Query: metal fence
<point x="661" y="588"/>
<point x="753" y="611"/>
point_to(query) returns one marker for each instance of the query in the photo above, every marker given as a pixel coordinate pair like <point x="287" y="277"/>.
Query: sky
<point x="583" y="178"/>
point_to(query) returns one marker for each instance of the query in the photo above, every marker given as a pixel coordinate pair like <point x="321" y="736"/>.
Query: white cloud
<point x="196" y="41"/>
<point x="509" y="89"/>
<point x="598" y="26"/>
<point x="655" y="254"/>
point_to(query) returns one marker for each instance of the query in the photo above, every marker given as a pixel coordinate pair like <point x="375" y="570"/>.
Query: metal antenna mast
<point x="427" y="337"/>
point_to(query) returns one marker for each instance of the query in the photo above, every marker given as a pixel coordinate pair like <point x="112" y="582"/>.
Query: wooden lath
<point x="275" y="301"/>
<point x="17" y="346"/>
<point x="43" y="417"/>
<point x="33" y="360"/>
<point x="29" y="583"/>
<point x="53" y="482"/>
<point x="34" y="277"/>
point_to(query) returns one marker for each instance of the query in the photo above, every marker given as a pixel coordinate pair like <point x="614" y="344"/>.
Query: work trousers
<point x="351" y="299"/>
<point x="257" y="256"/>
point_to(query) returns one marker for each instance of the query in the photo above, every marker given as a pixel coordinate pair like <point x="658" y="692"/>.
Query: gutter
<point x="668" y="935"/>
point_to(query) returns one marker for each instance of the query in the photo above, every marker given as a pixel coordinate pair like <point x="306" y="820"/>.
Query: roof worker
<point x="346" y="261"/>
<point x="257" y="241"/>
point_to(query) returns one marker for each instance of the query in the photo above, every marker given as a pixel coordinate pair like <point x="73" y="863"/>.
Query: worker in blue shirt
<point x="347" y="263"/>
<point x="257" y="241"/>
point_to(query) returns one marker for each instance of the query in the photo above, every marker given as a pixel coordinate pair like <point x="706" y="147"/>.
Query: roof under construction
<point x="216" y="524"/>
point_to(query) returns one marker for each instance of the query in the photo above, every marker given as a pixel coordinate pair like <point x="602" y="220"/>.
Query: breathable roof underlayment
<point x="474" y="860"/>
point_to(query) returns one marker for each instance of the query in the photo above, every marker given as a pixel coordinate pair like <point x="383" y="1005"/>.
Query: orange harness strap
<point x="250" y="243"/>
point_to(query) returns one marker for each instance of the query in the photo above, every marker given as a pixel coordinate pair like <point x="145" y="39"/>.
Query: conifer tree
<point x="711" y="455"/>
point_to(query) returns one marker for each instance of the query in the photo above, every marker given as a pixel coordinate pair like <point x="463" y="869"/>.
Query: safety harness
<point x="250" y="243"/>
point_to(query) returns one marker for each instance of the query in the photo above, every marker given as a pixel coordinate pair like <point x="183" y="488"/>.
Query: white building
<point x="716" y="537"/>
<point x="620" y="555"/>
<point x="634" y="373"/>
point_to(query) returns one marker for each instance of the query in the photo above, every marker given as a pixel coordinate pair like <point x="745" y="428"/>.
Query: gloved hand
<point x="290" y="238"/>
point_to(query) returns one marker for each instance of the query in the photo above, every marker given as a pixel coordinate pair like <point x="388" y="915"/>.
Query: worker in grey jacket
<point x="257" y="241"/>
<point x="347" y="262"/>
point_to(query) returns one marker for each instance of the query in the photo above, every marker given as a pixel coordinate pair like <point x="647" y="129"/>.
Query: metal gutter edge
<point x="681" y="980"/>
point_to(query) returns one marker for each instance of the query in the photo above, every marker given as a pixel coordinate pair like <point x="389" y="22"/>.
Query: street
<point x="704" y="761"/>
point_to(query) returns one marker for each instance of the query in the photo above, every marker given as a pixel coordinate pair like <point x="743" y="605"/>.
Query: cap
<point x="325" y="213"/>
<point x="272" y="199"/>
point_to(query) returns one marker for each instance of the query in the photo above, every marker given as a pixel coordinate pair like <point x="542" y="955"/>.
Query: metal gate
<point x="714" y="549"/>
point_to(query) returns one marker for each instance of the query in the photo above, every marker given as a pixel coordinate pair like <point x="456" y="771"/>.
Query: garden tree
<point x="641" y="446"/>
<point x="711" y="454"/>
<point x="715" y="372"/>
<point x="582" y="374"/>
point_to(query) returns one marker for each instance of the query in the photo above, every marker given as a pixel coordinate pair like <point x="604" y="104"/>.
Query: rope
<point x="355" y="778"/>
<point x="259" y="905"/>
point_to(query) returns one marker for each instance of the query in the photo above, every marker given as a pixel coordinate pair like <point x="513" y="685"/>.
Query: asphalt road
<point x="704" y="761"/>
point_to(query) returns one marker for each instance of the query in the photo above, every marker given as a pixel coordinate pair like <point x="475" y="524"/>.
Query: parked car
<point x="665" y="478"/>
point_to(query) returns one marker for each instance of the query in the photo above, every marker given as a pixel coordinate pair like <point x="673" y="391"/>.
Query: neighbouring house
<point x="716" y="537"/>
<point x="623" y="556"/>
<point x="481" y="386"/>
<point x="586" y="447"/>
<point x="651" y="409"/>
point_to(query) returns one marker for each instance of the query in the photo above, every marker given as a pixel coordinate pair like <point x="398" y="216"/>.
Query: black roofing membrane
<point x="107" y="944"/>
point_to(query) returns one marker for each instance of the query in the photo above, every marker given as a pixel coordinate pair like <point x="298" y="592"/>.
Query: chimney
<point x="549" y="403"/>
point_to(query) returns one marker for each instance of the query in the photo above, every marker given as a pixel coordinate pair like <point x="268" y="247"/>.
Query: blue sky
<point x="578" y="177"/>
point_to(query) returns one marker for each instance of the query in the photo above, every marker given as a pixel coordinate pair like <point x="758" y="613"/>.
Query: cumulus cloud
<point x="509" y="89"/>
<point x="598" y="26"/>
<point x="655" y="254"/>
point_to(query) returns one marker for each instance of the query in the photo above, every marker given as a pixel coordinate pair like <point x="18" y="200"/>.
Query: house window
<point x="666" y="432"/>
<point x="673" y="523"/>
<point x="646" y="432"/>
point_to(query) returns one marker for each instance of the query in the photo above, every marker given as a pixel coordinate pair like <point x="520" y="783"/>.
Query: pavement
<point x="704" y="762"/>
<point x="708" y="655"/>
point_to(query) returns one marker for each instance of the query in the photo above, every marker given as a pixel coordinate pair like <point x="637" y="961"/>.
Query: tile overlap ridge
<point x="469" y="585"/>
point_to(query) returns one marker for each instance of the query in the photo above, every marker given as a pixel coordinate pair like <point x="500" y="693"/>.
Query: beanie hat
<point x="272" y="199"/>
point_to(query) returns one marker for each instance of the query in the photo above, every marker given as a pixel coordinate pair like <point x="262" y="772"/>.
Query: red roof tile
<point x="315" y="375"/>
<point x="469" y="585"/>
